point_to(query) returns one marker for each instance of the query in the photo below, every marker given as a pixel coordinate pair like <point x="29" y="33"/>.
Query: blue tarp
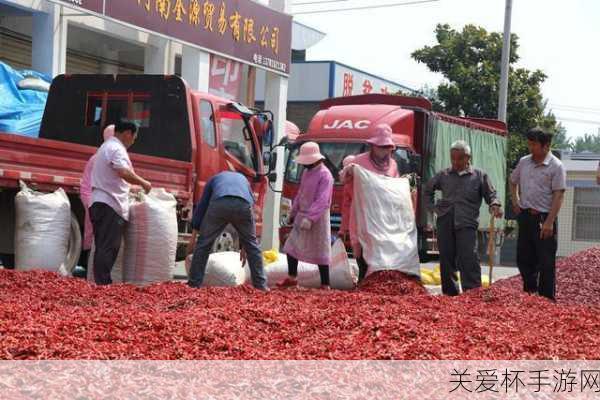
<point x="21" y="110"/>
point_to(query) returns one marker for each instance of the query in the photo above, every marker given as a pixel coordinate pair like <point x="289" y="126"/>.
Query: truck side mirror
<point x="272" y="161"/>
<point x="267" y="159"/>
<point x="273" y="177"/>
<point x="268" y="134"/>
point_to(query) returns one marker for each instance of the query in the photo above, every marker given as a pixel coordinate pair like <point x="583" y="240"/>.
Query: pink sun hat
<point x="382" y="137"/>
<point x="309" y="154"/>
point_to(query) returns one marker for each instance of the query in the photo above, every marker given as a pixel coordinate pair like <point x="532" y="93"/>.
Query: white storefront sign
<point x="351" y="82"/>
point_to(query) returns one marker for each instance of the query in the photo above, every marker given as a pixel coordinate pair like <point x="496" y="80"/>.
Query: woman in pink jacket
<point x="310" y="239"/>
<point x="85" y="192"/>
<point x="378" y="160"/>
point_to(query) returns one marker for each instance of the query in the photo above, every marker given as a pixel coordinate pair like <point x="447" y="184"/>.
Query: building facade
<point x="579" y="218"/>
<point x="216" y="46"/>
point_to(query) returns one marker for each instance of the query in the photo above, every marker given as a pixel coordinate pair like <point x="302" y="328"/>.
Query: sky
<point x="561" y="38"/>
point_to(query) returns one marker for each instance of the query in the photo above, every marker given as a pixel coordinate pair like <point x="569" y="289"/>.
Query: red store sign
<point x="240" y="29"/>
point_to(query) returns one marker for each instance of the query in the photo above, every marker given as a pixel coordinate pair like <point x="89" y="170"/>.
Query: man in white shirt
<point x="111" y="177"/>
<point x="538" y="186"/>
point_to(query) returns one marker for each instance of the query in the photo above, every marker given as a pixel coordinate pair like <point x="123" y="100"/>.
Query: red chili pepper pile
<point x="43" y="316"/>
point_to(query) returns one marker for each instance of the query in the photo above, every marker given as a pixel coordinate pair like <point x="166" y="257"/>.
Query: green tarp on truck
<point x="489" y="155"/>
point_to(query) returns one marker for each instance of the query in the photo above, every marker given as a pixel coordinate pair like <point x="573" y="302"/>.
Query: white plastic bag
<point x="385" y="222"/>
<point x="42" y="231"/>
<point x="222" y="270"/>
<point x="341" y="274"/>
<point x="308" y="274"/>
<point x="116" y="273"/>
<point x="151" y="238"/>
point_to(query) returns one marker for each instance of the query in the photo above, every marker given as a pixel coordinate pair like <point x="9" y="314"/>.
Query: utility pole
<point x="502" y="101"/>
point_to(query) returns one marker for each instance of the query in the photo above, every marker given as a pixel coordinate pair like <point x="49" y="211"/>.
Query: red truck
<point x="422" y="137"/>
<point x="185" y="137"/>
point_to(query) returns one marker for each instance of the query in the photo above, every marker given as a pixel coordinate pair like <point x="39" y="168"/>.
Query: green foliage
<point x="587" y="143"/>
<point x="470" y="62"/>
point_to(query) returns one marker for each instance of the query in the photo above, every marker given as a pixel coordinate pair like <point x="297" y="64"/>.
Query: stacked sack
<point x="151" y="238"/>
<point x="42" y="231"/>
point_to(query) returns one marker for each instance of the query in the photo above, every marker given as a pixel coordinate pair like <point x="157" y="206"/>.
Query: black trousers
<point x="363" y="267"/>
<point x="536" y="258"/>
<point x="108" y="232"/>
<point x="458" y="252"/>
<point x="293" y="270"/>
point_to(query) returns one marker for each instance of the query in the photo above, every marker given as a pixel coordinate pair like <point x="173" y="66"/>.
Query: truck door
<point x="240" y="147"/>
<point x="208" y="163"/>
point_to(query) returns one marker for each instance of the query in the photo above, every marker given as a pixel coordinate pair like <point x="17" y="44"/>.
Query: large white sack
<point x="42" y="230"/>
<point x="116" y="273"/>
<point x="342" y="275"/>
<point x="308" y="274"/>
<point x="151" y="238"/>
<point x="222" y="270"/>
<point x="385" y="222"/>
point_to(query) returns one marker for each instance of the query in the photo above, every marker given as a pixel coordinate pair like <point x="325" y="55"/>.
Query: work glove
<point x="305" y="224"/>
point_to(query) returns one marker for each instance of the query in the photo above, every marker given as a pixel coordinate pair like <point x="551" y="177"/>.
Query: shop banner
<point x="241" y="29"/>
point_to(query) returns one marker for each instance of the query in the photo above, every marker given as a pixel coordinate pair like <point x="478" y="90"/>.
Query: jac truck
<point x="185" y="137"/>
<point x="423" y="138"/>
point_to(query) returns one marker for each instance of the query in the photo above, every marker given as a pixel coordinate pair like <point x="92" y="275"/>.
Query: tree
<point x="470" y="62"/>
<point x="587" y="143"/>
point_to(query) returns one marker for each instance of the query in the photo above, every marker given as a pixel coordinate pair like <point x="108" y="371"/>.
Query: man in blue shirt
<point x="227" y="199"/>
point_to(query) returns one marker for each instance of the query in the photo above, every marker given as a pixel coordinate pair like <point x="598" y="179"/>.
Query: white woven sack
<point x="42" y="230"/>
<point x="342" y="275"/>
<point x="151" y="238"/>
<point x="222" y="270"/>
<point x="385" y="222"/>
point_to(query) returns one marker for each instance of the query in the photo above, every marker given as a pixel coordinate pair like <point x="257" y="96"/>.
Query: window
<point x="402" y="158"/>
<point x="207" y="121"/>
<point x="586" y="215"/>
<point x="94" y="111"/>
<point x="238" y="141"/>
<point x="140" y="112"/>
<point x="135" y="107"/>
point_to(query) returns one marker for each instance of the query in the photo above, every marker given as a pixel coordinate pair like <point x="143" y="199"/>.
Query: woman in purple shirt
<point x="310" y="239"/>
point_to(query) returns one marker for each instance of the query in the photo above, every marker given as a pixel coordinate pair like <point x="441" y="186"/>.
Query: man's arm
<point x="131" y="177"/>
<point x="429" y="191"/>
<point x="202" y="206"/>
<point x="559" y="186"/>
<point x="514" y="197"/>
<point x="548" y="227"/>
<point x="192" y="243"/>
<point x="491" y="197"/>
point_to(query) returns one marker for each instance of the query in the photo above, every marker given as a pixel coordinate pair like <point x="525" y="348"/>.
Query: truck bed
<point x="50" y="164"/>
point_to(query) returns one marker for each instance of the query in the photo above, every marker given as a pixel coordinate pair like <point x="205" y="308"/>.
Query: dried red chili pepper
<point x="389" y="316"/>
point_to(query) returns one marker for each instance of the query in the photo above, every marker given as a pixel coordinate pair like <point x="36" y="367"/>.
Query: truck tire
<point x="75" y="245"/>
<point x="227" y="241"/>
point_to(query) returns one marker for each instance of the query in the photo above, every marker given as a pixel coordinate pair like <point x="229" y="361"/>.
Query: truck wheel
<point x="75" y="244"/>
<point x="227" y="241"/>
